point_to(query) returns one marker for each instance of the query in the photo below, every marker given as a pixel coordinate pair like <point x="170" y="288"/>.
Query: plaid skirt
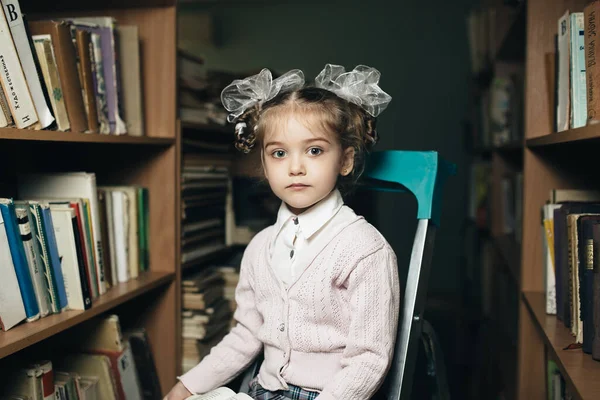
<point x="295" y="393"/>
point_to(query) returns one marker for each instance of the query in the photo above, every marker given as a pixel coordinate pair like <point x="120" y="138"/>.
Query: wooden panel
<point x="179" y="268"/>
<point x="580" y="371"/>
<point x="161" y="324"/>
<point x="71" y="137"/>
<point x="531" y="367"/>
<point x="27" y="334"/>
<point x="159" y="176"/>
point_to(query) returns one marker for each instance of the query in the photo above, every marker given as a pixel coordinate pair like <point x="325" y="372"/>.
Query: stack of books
<point x="208" y="306"/>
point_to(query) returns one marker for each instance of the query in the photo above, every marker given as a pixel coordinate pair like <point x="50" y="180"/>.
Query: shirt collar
<point x="315" y="217"/>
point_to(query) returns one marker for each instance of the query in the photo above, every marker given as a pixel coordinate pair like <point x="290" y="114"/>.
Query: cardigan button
<point x="281" y="327"/>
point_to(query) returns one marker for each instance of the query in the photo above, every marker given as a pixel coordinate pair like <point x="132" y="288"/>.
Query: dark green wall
<point x="422" y="51"/>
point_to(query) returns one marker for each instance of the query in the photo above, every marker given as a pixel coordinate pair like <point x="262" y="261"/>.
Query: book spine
<point x="578" y="92"/>
<point x="13" y="79"/>
<point x="44" y="256"/>
<point x="563" y="103"/>
<point x="85" y="288"/>
<point x="20" y="262"/>
<point x="34" y="266"/>
<point x="592" y="74"/>
<point x="55" y="261"/>
<point x="23" y="47"/>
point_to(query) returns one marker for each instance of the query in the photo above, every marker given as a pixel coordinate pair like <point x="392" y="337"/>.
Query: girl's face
<point x="302" y="165"/>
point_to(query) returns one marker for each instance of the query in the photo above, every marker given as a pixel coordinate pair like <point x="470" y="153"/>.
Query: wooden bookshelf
<point x="30" y="333"/>
<point x="151" y="160"/>
<point x="542" y="336"/>
<point x="581" y="372"/>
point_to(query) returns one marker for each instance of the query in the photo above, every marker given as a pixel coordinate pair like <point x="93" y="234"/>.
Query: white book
<point x="12" y="310"/>
<point x="69" y="184"/>
<point x="34" y="263"/>
<point x="222" y="393"/>
<point x="13" y="79"/>
<point x="120" y="221"/>
<point x="21" y="40"/>
<point x="62" y="219"/>
<point x="563" y="99"/>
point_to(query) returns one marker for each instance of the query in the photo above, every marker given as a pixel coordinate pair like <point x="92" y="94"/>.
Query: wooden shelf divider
<point x="585" y="134"/>
<point x="27" y="334"/>
<point x="73" y="137"/>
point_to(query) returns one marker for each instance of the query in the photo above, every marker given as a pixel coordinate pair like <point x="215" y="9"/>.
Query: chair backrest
<point x="422" y="173"/>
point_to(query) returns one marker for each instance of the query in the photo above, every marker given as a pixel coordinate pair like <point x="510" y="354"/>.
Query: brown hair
<point x="349" y="123"/>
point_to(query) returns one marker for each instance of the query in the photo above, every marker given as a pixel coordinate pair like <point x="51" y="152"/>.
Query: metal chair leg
<point x="435" y="361"/>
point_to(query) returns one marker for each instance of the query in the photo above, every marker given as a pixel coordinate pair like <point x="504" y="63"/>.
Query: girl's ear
<point x="347" y="161"/>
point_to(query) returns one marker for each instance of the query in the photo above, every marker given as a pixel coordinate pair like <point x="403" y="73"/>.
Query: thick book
<point x="596" y="294"/>
<point x="17" y="252"/>
<point x="11" y="304"/>
<point x="20" y="37"/>
<point x="48" y="255"/>
<point x="70" y="184"/>
<point x="67" y="69"/>
<point x="33" y="258"/>
<point x="585" y="226"/>
<point x="62" y="218"/>
<point x="13" y="79"/>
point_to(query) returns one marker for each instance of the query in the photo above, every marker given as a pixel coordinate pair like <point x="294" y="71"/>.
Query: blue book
<point x="17" y="252"/>
<point x="55" y="260"/>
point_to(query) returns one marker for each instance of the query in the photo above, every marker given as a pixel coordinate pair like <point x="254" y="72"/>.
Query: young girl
<point x="318" y="293"/>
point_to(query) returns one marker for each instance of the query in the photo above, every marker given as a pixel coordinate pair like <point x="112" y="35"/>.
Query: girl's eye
<point x="278" y="154"/>
<point x="315" y="151"/>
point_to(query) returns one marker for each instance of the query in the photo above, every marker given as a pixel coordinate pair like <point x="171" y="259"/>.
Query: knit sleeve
<point x="239" y="347"/>
<point x="374" y="292"/>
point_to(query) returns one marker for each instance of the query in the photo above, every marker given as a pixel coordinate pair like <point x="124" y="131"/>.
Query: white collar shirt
<point x="298" y="234"/>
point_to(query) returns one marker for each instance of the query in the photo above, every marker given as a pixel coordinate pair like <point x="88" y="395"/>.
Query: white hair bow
<point x="242" y="94"/>
<point x="359" y="86"/>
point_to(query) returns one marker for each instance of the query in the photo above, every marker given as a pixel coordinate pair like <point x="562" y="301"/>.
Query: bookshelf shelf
<point x="579" y="369"/>
<point x="14" y="134"/>
<point x="27" y="334"/>
<point x="587" y="134"/>
<point x="511" y="255"/>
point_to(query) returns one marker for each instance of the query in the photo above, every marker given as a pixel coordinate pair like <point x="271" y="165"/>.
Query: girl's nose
<point x="296" y="166"/>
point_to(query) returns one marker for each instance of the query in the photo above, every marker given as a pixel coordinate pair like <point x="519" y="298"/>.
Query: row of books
<point x="69" y="74"/>
<point x="67" y="242"/>
<point x="208" y="298"/>
<point x="103" y="363"/>
<point x="571" y="243"/>
<point x="575" y="85"/>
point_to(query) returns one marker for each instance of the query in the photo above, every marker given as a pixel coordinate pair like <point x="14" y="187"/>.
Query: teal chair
<point x="422" y="173"/>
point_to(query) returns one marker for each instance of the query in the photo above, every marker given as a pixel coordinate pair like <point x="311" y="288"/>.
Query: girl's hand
<point x="179" y="392"/>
